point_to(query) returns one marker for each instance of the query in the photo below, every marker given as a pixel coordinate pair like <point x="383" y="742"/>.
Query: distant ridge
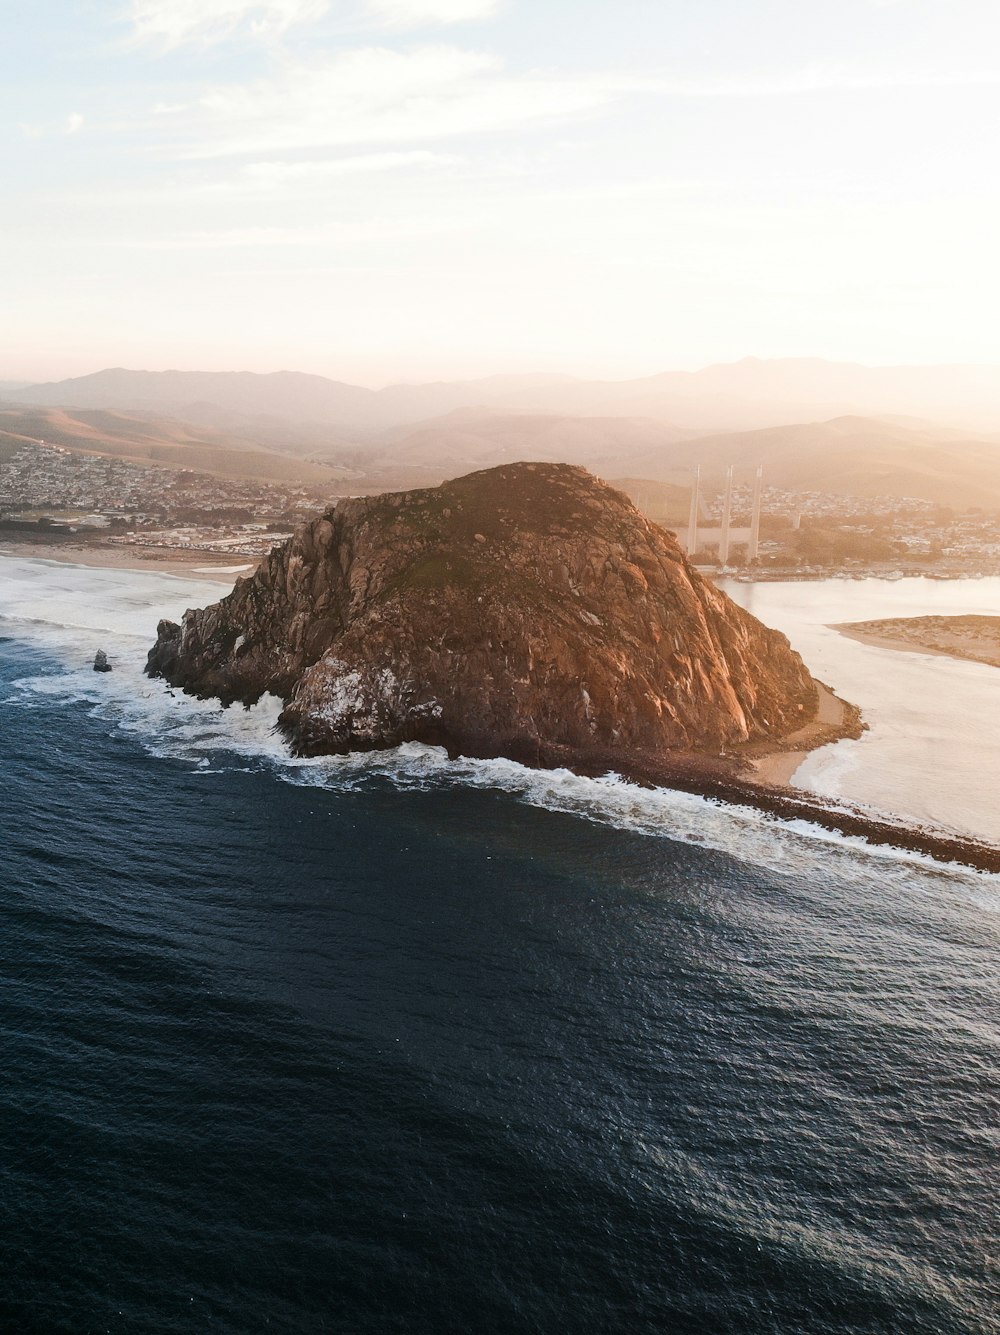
<point x="739" y="395"/>
<point x="848" y="455"/>
<point x="150" y="439"/>
<point x="855" y="456"/>
<point x="284" y="394"/>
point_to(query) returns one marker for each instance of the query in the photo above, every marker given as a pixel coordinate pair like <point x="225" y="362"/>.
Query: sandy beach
<point x="165" y="560"/>
<point x="974" y="638"/>
<point x="775" y="765"/>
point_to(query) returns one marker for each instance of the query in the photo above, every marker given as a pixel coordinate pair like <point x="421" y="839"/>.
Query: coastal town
<point x="55" y="496"/>
<point x="824" y="533"/>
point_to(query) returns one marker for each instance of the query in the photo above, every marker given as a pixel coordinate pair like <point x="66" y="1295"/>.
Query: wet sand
<point x="835" y="719"/>
<point x="214" y="566"/>
<point x="972" y="638"/>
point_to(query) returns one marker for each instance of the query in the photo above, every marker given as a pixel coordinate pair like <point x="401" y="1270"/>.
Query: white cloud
<point x="228" y="238"/>
<point x="820" y="80"/>
<point x="71" y="124"/>
<point x="274" y="175"/>
<point x="171" y="23"/>
<point x="293" y="236"/>
<point x="376" y="95"/>
<point x="414" y="13"/>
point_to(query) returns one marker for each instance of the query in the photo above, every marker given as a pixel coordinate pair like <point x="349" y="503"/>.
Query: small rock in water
<point x="101" y="663"/>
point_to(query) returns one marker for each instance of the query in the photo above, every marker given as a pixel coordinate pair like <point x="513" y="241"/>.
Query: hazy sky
<point x="414" y="189"/>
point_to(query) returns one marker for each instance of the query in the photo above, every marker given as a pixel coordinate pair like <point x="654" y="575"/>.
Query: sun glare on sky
<point x="405" y="189"/>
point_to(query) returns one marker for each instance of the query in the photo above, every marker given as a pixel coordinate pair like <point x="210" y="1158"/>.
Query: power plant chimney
<point x="692" y="543"/>
<point x="726" y="513"/>
<point x="754" y="543"/>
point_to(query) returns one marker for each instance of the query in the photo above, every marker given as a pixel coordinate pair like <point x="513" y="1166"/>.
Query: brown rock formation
<point x="528" y="611"/>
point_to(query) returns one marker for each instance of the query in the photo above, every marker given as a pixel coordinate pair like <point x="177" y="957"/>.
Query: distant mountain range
<point x="733" y="396"/>
<point x="298" y="427"/>
<point x="857" y="456"/>
<point x="849" y="455"/>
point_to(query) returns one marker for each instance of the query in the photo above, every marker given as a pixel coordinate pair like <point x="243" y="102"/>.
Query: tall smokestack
<point x="754" y="543"/>
<point x="726" y="513"/>
<point x="692" y="545"/>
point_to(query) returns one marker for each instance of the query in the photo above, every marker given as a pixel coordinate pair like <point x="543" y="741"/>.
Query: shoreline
<point x="757" y="776"/>
<point x="156" y="560"/>
<point x="775" y="763"/>
<point x="166" y="560"/>
<point x="722" y="779"/>
<point x="751" y="781"/>
<point x="876" y="828"/>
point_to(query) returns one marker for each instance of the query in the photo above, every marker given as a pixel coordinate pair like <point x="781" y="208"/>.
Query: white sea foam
<point x="72" y="611"/>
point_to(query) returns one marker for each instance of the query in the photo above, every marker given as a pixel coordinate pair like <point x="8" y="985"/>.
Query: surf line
<point x="717" y="779"/>
<point x="856" y="822"/>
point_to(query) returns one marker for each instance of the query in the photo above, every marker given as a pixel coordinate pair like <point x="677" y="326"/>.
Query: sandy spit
<point x="972" y="638"/>
<point x="163" y="560"/>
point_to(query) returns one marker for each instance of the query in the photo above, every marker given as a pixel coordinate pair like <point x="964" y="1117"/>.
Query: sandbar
<point x="973" y="638"/>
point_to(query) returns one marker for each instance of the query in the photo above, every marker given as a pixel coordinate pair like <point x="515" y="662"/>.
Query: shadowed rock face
<point x="528" y="611"/>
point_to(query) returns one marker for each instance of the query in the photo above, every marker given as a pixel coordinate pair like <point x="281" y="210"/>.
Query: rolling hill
<point x="157" y="441"/>
<point x="848" y="456"/>
<point x="854" y="456"/>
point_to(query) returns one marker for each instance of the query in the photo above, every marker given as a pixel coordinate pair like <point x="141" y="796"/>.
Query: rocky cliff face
<point x="528" y="611"/>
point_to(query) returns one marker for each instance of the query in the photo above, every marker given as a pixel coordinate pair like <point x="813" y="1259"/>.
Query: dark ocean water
<point x="304" y="1058"/>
